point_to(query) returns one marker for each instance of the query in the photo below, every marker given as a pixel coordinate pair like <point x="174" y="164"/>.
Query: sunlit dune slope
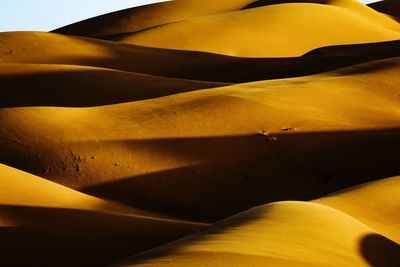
<point x="47" y="48"/>
<point x="67" y="85"/>
<point x="281" y="139"/>
<point x="354" y="6"/>
<point x="390" y="7"/>
<point x="144" y="17"/>
<point x="139" y="18"/>
<point x="267" y="31"/>
<point x="366" y="12"/>
<point x="376" y="204"/>
<point x="43" y="223"/>
<point x="204" y="133"/>
<point x="279" y="234"/>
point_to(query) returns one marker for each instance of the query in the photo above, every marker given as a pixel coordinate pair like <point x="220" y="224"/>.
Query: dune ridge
<point x="204" y="133"/>
<point x="47" y="222"/>
<point x="220" y="33"/>
<point x="390" y="7"/>
<point x="79" y="86"/>
<point x="144" y="17"/>
<point x="291" y="234"/>
<point x="125" y="147"/>
<point x="46" y="48"/>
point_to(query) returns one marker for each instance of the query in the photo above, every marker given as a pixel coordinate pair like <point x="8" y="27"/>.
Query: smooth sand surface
<point x="275" y="139"/>
<point x="42" y="222"/>
<point x="204" y="133"/>
<point x="81" y="86"/>
<point x="144" y="17"/>
<point x="376" y="204"/>
<point x="49" y="48"/>
<point x="296" y="234"/>
<point x="266" y="31"/>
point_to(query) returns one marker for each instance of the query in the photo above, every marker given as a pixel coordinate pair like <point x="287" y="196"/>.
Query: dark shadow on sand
<point x="69" y="237"/>
<point x="241" y="172"/>
<point x="380" y="251"/>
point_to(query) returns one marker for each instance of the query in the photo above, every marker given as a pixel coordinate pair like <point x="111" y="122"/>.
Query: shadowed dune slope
<point x="390" y="7"/>
<point x="47" y="48"/>
<point x="204" y="133"/>
<point x="67" y="85"/>
<point x="280" y="234"/>
<point x="267" y="31"/>
<point x="43" y="223"/>
<point x="261" y="3"/>
<point x="293" y="138"/>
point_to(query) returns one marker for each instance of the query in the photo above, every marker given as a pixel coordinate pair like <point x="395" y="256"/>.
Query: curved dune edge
<point x="355" y="6"/>
<point x="46" y="222"/>
<point x="390" y="7"/>
<point x="145" y="17"/>
<point x="240" y="33"/>
<point x="257" y="131"/>
<point x="48" y="48"/>
<point x="374" y="204"/>
<point x="137" y="133"/>
<point x="296" y="234"/>
<point x="366" y="12"/>
<point x="79" y="86"/>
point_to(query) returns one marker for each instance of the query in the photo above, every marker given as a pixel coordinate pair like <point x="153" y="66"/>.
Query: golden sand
<point x="204" y="133"/>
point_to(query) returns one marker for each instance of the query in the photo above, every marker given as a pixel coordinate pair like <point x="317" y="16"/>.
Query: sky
<point x="46" y="15"/>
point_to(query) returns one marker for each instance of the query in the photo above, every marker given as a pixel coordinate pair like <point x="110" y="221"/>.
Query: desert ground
<point x="204" y="133"/>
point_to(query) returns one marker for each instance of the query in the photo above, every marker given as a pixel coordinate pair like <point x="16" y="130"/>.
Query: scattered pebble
<point x="288" y="129"/>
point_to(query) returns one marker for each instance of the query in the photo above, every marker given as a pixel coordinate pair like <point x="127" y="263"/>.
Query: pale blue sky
<point x="46" y="15"/>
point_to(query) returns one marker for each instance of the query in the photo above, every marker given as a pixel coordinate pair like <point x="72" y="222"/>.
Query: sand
<point x="82" y="86"/>
<point x="273" y="132"/>
<point x="294" y="234"/>
<point x="204" y="133"/>
<point x="43" y="223"/>
<point x="240" y="33"/>
<point x="389" y="7"/>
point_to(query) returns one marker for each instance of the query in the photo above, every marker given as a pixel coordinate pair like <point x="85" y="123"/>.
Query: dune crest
<point x="144" y="17"/>
<point x="204" y="133"/>
<point x="390" y="7"/>
<point x="279" y="234"/>
<point x="47" y="222"/>
<point x="241" y="33"/>
<point x="81" y="86"/>
<point x="121" y="152"/>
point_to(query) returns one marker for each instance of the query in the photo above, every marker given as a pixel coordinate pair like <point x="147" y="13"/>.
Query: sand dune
<point x="350" y="5"/>
<point x="45" y="223"/>
<point x="283" y="234"/>
<point x="67" y="85"/>
<point x="145" y="17"/>
<point x="140" y="18"/>
<point x="204" y="133"/>
<point x="276" y="139"/>
<point x="390" y="7"/>
<point x="356" y="227"/>
<point x="46" y="48"/>
<point x="240" y="33"/>
<point x="375" y="204"/>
